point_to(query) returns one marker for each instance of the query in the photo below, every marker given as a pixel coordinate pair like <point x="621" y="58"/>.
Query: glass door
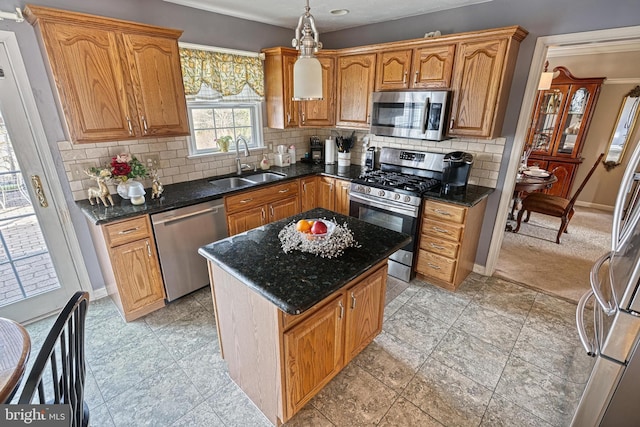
<point x="572" y="126"/>
<point x="38" y="273"/>
<point x="547" y="117"/>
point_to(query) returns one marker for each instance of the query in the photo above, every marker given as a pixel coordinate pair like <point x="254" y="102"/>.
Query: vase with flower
<point x="223" y="143"/>
<point x="125" y="169"/>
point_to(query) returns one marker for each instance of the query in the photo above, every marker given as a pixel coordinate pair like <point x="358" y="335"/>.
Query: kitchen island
<point x="289" y="322"/>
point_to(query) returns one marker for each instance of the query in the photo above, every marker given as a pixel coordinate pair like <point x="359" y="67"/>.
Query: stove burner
<point x="399" y="182"/>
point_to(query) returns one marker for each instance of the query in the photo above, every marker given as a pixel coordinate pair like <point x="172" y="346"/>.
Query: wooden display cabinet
<point x="559" y="125"/>
<point x="115" y="80"/>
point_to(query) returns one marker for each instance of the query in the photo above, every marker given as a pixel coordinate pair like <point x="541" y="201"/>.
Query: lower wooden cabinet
<point x="333" y="194"/>
<point x="129" y="262"/>
<point x="280" y="360"/>
<point x="254" y="208"/>
<point x="449" y="237"/>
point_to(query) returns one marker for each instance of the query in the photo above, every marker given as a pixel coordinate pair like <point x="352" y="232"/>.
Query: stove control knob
<point x="396" y="196"/>
<point x="359" y="188"/>
<point x="407" y="199"/>
<point x="368" y="190"/>
<point x="381" y="193"/>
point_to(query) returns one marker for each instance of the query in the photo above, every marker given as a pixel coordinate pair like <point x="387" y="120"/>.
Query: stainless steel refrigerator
<point x="610" y="331"/>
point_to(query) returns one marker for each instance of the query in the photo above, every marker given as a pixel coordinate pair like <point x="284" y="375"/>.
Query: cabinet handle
<point x="263" y="214"/>
<point x="433" y="245"/>
<point x="288" y="117"/>
<point x="283" y="191"/>
<point x="304" y="187"/>
<point x="441" y="212"/>
<point x="353" y="301"/>
<point x="404" y="78"/>
<point x="130" y="126"/>
<point x="341" y="310"/>
<point x="128" y="231"/>
<point x="144" y="124"/>
<point x="435" y="267"/>
<point x="439" y="230"/>
<point x="368" y="118"/>
<point x="272" y="212"/>
<point x="303" y="117"/>
<point x="451" y="124"/>
<point x="246" y="200"/>
<point x="148" y="249"/>
<point x="415" y="78"/>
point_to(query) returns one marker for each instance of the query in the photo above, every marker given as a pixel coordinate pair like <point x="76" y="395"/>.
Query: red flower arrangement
<point x="122" y="167"/>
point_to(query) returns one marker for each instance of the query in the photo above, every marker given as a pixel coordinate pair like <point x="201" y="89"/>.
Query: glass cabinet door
<point x="547" y="117"/>
<point x="572" y="126"/>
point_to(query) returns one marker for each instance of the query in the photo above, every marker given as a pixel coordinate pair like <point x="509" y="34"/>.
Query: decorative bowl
<point x="331" y="226"/>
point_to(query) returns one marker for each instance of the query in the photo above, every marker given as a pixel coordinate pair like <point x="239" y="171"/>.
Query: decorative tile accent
<point x="448" y="396"/>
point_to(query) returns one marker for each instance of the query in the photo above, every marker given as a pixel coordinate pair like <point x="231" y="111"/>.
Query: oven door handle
<point x="388" y="205"/>
<point x="425" y="115"/>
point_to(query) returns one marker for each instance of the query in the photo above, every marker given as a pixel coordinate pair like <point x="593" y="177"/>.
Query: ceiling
<point x="285" y="13"/>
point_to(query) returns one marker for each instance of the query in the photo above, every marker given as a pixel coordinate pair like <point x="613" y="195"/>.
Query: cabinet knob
<point x="415" y="78"/>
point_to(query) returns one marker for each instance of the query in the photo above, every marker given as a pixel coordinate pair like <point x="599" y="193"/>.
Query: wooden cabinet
<point x="282" y="111"/>
<point x="342" y="196"/>
<point x="281" y="360"/>
<point x="129" y="262"/>
<point x="356" y="82"/>
<point x="308" y="193"/>
<point x="333" y="194"/>
<point x="428" y="67"/>
<point x="481" y="82"/>
<point x="254" y="208"/>
<point x="559" y="125"/>
<point x="448" y="242"/>
<point x="115" y="80"/>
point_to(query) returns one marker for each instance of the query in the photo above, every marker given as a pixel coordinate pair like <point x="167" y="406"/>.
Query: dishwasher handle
<point x="213" y="209"/>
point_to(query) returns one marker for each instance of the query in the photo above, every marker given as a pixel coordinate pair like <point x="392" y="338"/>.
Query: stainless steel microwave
<point x="419" y="115"/>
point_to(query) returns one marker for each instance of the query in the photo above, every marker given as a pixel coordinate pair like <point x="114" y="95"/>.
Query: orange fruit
<point x="310" y="223"/>
<point x="303" y="226"/>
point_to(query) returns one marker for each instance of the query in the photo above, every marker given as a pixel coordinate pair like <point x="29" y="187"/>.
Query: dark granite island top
<point x="296" y="281"/>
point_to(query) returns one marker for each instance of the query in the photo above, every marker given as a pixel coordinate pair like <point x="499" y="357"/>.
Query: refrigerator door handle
<point x="607" y="306"/>
<point x="590" y="346"/>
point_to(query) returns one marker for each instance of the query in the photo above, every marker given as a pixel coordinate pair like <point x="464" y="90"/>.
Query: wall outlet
<point x="152" y="161"/>
<point x="77" y="170"/>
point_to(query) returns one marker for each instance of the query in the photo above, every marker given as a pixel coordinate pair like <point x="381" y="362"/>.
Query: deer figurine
<point x="101" y="192"/>
<point x="156" y="186"/>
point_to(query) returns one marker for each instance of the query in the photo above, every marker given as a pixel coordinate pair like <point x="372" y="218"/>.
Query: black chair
<point x="58" y="373"/>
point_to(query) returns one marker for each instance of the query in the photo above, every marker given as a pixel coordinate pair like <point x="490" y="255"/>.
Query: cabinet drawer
<point x="263" y="196"/>
<point x="126" y="231"/>
<point x="436" y="266"/>
<point x="442" y="230"/>
<point x="440" y="247"/>
<point x="444" y="211"/>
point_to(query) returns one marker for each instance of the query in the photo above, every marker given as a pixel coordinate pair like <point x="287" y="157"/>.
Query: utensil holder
<point x="344" y="159"/>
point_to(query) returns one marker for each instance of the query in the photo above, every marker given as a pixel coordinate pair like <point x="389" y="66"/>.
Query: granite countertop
<point x="296" y="281"/>
<point x="193" y="192"/>
<point x="198" y="191"/>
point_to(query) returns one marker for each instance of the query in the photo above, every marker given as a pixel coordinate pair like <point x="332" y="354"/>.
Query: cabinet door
<point x="365" y="302"/>
<point x="342" y="196"/>
<point x="242" y="221"/>
<point x="308" y="366"/>
<point x="156" y="77"/>
<point x="309" y="193"/>
<point x="547" y="116"/>
<point x="322" y="112"/>
<point x="392" y="71"/>
<point x="326" y="193"/>
<point x="284" y="209"/>
<point x="572" y="130"/>
<point x="356" y="75"/>
<point x="291" y="114"/>
<point x="478" y="72"/>
<point x="137" y="273"/>
<point x="432" y="67"/>
<point x="565" y="172"/>
<point x="89" y="78"/>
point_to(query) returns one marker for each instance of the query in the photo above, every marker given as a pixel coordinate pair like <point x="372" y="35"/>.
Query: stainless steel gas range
<point x="391" y="197"/>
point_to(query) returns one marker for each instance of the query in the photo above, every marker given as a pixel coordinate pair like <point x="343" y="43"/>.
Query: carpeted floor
<point x="532" y="258"/>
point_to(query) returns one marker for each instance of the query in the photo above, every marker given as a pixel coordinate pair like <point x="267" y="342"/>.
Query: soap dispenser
<point x="264" y="164"/>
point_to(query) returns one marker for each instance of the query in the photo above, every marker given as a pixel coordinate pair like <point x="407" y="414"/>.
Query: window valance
<point x="223" y="72"/>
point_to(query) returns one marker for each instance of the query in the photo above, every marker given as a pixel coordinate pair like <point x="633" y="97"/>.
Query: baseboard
<point x="480" y="269"/>
<point x="595" y="206"/>
<point x="98" y="293"/>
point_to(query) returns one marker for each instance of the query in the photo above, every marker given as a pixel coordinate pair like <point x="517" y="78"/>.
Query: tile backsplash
<point x="175" y="165"/>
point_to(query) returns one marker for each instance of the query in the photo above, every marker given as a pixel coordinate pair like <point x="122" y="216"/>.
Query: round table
<point x="15" y="346"/>
<point x="528" y="184"/>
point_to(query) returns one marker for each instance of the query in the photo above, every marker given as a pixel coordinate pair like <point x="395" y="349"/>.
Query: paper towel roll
<point x="330" y="151"/>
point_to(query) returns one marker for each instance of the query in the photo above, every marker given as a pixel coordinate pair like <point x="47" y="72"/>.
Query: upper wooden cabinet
<point x="115" y="80"/>
<point x="356" y="82"/>
<point x="428" y="67"/>
<point x="282" y="111"/>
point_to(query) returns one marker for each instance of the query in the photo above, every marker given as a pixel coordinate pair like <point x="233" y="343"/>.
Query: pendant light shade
<point x="307" y="79"/>
<point x="545" y="78"/>
<point x="307" y="71"/>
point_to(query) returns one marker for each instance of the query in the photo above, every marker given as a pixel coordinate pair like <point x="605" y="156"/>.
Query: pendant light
<point x="307" y="71"/>
<point x="545" y="78"/>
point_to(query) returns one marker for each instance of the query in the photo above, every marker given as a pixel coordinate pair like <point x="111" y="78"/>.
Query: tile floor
<point x="491" y="354"/>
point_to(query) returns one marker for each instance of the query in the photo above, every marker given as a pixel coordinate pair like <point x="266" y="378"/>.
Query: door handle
<point x="37" y="187"/>
<point x="589" y="346"/>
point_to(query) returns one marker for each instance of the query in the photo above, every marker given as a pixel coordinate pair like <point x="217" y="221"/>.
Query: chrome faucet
<point x="239" y="165"/>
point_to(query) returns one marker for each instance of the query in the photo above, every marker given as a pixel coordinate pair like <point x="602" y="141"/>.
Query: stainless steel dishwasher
<point x="179" y="234"/>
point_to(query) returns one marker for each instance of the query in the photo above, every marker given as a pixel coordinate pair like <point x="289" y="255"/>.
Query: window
<point x="224" y="90"/>
<point x="216" y="120"/>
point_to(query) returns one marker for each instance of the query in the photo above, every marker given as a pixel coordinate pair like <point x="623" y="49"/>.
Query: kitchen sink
<point x="265" y="177"/>
<point x="232" y="182"/>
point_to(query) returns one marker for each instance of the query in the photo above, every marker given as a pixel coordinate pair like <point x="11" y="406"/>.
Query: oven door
<point x="393" y="216"/>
